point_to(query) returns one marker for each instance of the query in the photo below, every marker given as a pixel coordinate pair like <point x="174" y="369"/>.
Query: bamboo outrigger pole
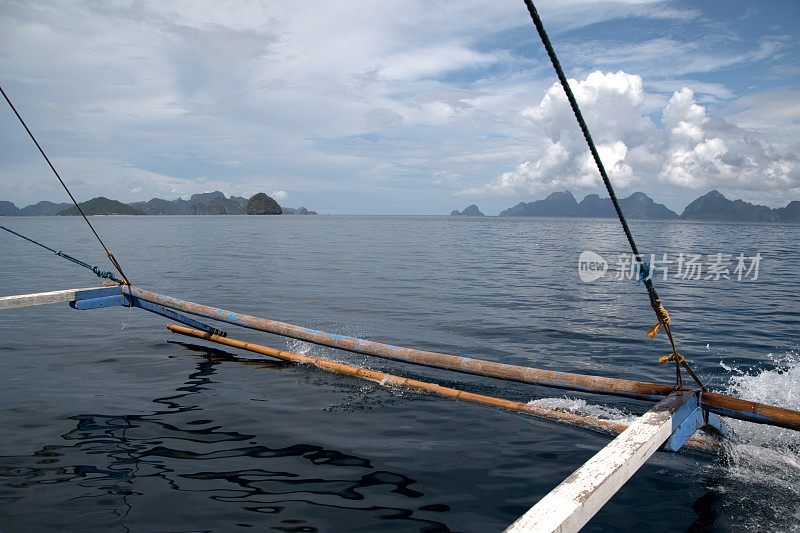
<point x="548" y="378"/>
<point x="703" y="443"/>
<point x="713" y="402"/>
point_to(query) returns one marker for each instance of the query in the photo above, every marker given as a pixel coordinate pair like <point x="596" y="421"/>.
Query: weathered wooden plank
<point x="42" y="298"/>
<point x="575" y="501"/>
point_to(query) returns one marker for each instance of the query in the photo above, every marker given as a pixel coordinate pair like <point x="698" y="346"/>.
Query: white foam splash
<point x="297" y="346"/>
<point x="762" y="467"/>
<point x="582" y="407"/>
<point x="779" y="386"/>
<point x="758" y="478"/>
<point x="326" y="352"/>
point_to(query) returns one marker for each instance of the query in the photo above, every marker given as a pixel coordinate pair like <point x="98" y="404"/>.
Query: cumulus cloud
<point x="683" y="117"/>
<point x="703" y="153"/>
<point x="613" y="104"/>
<point x="689" y="150"/>
<point x="613" y="100"/>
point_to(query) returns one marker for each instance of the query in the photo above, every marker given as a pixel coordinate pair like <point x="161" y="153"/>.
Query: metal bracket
<point x="174" y="315"/>
<point x="97" y="298"/>
<point x="693" y="419"/>
<point x="112" y="297"/>
<point x="688" y="419"/>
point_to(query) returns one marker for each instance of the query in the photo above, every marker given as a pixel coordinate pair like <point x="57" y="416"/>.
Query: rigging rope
<point x="644" y="268"/>
<point x="105" y="274"/>
<point x="80" y="210"/>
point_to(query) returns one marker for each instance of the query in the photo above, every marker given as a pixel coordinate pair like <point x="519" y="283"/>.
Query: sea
<point x="110" y="422"/>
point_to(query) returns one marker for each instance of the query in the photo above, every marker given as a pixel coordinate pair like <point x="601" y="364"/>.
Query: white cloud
<point x="691" y="158"/>
<point x="432" y="62"/>
<point x="682" y="116"/>
<point x="691" y="150"/>
<point x="704" y="153"/>
<point x="533" y="177"/>
<point x="774" y="111"/>
<point x="613" y="158"/>
<point x="669" y="57"/>
<point x="612" y="103"/>
<point x="696" y="166"/>
<point x="280" y="195"/>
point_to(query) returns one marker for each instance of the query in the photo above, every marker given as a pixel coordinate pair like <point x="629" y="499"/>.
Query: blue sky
<point x="409" y="107"/>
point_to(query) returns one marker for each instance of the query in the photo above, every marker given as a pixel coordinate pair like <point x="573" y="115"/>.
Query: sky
<point x="404" y="107"/>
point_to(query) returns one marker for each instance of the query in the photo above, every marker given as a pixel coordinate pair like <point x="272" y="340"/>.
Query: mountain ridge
<point x="208" y="203"/>
<point x="712" y="206"/>
<point x="101" y="206"/>
<point x="564" y="204"/>
<point x="469" y="211"/>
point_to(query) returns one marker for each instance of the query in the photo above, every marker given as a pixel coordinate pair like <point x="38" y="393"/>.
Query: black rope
<point x="105" y="274"/>
<point x="644" y="267"/>
<point x="53" y="168"/>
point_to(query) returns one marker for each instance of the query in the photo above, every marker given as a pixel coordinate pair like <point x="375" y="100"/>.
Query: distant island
<point x="563" y="204"/>
<point x="470" y="211"/>
<point x="261" y="204"/>
<point x="714" y="206"/>
<point x="41" y="209"/>
<point x="711" y="206"/>
<point x="298" y="211"/>
<point x="101" y="206"/>
<point x="210" y="203"/>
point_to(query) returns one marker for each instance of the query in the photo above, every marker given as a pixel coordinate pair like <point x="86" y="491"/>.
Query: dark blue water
<point x="111" y="422"/>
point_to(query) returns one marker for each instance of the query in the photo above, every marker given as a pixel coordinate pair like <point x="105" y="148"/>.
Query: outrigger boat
<point x="683" y="416"/>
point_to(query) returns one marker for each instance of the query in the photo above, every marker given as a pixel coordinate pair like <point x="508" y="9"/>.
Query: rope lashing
<point x="105" y="274"/>
<point x="663" y="318"/>
<point x="678" y="358"/>
<point x="100" y="273"/>
<point x="644" y="267"/>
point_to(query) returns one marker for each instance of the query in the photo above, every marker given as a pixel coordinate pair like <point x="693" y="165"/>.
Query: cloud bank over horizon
<point x="352" y="107"/>
<point x="688" y="150"/>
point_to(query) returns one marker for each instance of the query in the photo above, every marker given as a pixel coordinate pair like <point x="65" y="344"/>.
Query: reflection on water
<point x="109" y="456"/>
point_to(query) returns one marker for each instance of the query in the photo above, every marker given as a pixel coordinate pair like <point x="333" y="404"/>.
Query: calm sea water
<point x="111" y="422"/>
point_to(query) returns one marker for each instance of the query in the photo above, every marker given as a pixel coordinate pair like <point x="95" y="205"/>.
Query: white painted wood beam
<point x="41" y="298"/>
<point x="577" y="499"/>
